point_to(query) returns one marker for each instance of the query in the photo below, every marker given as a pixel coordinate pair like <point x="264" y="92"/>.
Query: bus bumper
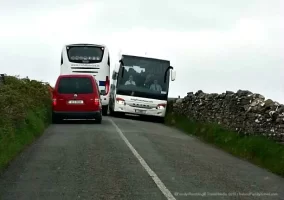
<point x="139" y="111"/>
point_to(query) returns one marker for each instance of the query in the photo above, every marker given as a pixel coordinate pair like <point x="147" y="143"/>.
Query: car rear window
<point x="75" y="85"/>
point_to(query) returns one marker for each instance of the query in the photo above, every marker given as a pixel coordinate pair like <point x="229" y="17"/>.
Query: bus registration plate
<point x="140" y="111"/>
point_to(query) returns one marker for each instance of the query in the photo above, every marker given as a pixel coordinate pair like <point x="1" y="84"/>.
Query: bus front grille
<point x="140" y="106"/>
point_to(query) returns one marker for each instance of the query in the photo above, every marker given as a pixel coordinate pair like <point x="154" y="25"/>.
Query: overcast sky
<point x="214" y="45"/>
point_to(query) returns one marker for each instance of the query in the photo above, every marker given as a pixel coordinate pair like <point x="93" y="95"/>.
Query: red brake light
<point x="54" y="101"/>
<point x="107" y="85"/>
<point x="97" y="102"/>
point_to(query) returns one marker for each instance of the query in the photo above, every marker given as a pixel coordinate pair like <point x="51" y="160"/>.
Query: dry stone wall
<point x="243" y="111"/>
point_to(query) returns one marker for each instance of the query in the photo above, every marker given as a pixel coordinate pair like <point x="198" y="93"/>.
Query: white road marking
<point x="152" y="174"/>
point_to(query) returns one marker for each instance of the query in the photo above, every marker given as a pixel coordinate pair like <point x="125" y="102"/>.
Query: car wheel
<point x="98" y="120"/>
<point x="55" y="119"/>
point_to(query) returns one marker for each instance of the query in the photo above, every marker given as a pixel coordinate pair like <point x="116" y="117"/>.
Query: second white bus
<point x="89" y="59"/>
<point x="140" y="86"/>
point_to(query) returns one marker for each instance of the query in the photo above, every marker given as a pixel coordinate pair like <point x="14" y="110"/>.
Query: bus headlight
<point x="120" y="101"/>
<point x="161" y="106"/>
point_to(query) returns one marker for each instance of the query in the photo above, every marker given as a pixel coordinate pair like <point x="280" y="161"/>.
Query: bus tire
<point x="104" y="110"/>
<point x="114" y="114"/>
<point x="161" y="119"/>
<point x="111" y="112"/>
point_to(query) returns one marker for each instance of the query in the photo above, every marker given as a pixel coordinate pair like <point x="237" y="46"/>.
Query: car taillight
<point x="120" y="100"/>
<point x="97" y="102"/>
<point x="161" y="106"/>
<point x="54" y="101"/>
<point x="107" y="85"/>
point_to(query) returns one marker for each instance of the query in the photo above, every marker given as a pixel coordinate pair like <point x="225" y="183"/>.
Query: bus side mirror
<point x="173" y="75"/>
<point x="166" y="72"/>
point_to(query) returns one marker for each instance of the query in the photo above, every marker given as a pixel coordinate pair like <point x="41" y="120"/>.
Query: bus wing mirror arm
<point x="122" y="63"/>
<point x="165" y="76"/>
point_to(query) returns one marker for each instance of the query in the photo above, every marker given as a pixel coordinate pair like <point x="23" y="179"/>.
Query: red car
<point x="76" y="97"/>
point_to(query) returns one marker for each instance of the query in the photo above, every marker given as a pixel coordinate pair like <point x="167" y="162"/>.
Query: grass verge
<point x="25" y="113"/>
<point x="255" y="149"/>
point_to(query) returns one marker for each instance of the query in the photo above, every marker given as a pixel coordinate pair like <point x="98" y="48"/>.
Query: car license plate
<point x="75" y="102"/>
<point x="140" y="111"/>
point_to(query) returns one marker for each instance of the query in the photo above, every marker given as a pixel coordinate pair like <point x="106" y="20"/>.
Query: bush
<point x="25" y="112"/>
<point x="255" y="149"/>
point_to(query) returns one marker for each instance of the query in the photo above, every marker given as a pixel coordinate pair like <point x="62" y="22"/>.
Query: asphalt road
<point x="130" y="159"/>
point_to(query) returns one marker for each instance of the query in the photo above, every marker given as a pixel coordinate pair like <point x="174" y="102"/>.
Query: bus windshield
<point x="143" y="77"/>
<point x="85" y="54"/>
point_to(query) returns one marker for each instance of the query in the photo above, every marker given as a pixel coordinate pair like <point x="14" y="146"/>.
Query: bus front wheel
<point x="104" y="110"/>
<point x="160" y="119"/>
<point x="111" y="112"/>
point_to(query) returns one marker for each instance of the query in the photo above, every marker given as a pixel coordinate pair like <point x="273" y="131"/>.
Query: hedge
<point x="25" y="112"/>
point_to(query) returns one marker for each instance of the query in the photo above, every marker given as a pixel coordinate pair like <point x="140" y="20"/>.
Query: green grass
<point x="256" y="149"/>
<point x="17" y="138"/>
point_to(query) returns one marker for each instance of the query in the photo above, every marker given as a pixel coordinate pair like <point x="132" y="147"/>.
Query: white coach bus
<point x="140" y="86"/>
<point x="89" y="59"/>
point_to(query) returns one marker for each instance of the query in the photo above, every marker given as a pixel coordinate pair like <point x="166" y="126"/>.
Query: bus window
<point x="108" y="61"/>
<point x="85" y="54"/>
<point x="61" y="58"/>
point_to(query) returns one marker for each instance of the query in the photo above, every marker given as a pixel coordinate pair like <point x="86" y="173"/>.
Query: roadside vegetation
<point x="24" y="114"/>
<point x="255" y="149"/>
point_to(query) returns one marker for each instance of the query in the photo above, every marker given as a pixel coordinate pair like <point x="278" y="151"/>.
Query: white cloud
<point x="215" y="47"/>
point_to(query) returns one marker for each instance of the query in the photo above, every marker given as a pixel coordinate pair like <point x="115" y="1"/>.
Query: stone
<point x="244" y="110"/>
